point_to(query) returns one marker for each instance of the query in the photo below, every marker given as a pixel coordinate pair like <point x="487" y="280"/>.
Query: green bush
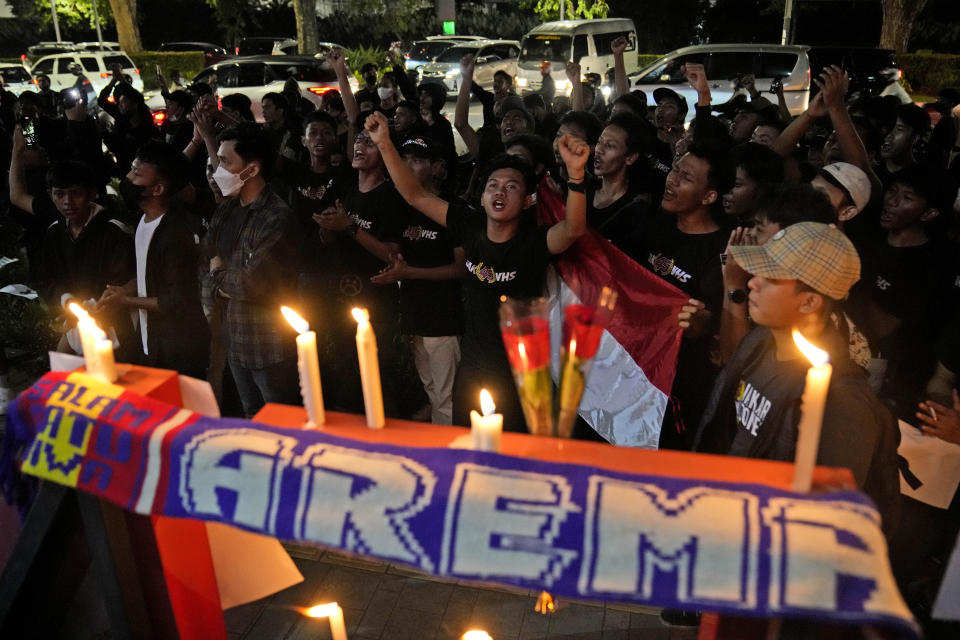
<point x="358" y="57"/>
<point x="190" y="64"/>
<point x="927" y="73"/>
<point x="646" y="59"/>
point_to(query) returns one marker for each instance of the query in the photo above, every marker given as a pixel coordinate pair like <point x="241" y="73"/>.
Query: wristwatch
<point x="579" y="187"/>
<point x="737" y="296"/>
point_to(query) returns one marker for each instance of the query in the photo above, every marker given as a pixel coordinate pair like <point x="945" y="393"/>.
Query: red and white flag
<point x="628" y="388"/>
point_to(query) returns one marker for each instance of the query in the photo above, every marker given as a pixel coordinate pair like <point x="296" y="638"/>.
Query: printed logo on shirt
<point x="882" y="284"/>
<point x="668" y="267"/>
<point x="313" y="193"/>
<point x="752" y="407"/>
<point x="488" y="275"/>
<point x="363" y="224"/>
<point x="418" y="233"/>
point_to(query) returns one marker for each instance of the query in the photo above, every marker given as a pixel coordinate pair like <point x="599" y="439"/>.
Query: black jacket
<point x="178" y="337"/>
<point x="858" y="432"/>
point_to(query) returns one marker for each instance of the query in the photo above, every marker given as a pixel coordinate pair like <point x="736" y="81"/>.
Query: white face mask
<point x="384" y="93"/>
<point x="229" y="183"/>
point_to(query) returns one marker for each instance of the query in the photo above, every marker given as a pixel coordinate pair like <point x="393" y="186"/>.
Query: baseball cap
<point x="851" y="179"/>
<point x="420" y="146"/>
<point x="515" y="103"/>
<point x="665" y="93"/>
<point x="818" y="255"/>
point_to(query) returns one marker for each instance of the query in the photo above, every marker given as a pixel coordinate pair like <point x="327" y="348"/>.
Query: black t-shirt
<point x="766" y="389"/>
<point x="428" y="307"/>
<point x="309" y="193"/>
<point x="690" y="262"/>
<point x="515" y="268"/>
<point x="380" y="212"/>
<point x="620" y="220"/>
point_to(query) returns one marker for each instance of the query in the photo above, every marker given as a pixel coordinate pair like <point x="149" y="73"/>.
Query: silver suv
<point x="724" y="63"/>
<point x="95" y="65"/>
<point x="491" y="55"/>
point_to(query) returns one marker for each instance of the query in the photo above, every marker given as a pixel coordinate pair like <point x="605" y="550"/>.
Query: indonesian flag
<point x="628" y="388"/>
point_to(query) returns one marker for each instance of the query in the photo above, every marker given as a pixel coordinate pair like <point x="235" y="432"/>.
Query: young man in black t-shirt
<point x="428" y="269"/>
<point x="361" y="235"/>
<point x="683" y="245"/>
<point x="504" y="256"/>
<point x="898" y="302"/>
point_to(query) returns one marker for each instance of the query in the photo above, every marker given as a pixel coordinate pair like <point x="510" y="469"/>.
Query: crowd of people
<point x="185" y="239"/>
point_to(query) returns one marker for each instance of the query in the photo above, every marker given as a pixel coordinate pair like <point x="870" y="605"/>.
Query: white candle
<point x="332" y="612"/>
<point x="486" y="429"/>
<point x="308" y="365"/>
<point x="811" y="411"/>
<point x="369" y="369"/>
<point x="97" y="349"/>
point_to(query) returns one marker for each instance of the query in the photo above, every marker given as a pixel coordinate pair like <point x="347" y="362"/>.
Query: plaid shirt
<point x="258" y="244"/>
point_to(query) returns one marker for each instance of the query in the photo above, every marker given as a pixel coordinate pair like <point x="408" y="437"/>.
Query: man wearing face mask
<point x="165" y="292"/>
<point x="368" y="92"/>
<point x="251" y="247"/>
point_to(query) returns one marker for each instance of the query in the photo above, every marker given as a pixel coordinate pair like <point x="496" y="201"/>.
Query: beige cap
<point x="853" y="180"/>
<point x="816" y="254"/>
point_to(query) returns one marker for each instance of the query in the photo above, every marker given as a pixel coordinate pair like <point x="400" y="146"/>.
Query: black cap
<point x="665" y="93"/>
<point x="515" y="103"/>
<point x="421" y="146"/>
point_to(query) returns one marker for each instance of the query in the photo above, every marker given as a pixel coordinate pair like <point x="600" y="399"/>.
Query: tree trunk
<point x="308" y="38"/>
<point x="898" y="17"/>
<point x="128" y="31"/>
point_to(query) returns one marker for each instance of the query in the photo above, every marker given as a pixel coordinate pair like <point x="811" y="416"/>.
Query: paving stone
<point x="425" y="595"/>
<point x="457" y="619"/>
<point x="392" y="583"/>
<point x="303" y="594"/>
<point x="273" y="623"/>
<point x="409" y="624"/>
<point x="501" y="614"/>
<point x="349" y="587"/>
<point x="536" y="626"/>
<point x="378" y="611"/>
<point x="464" y="595"/>
<point x="239" y="619"/>
<point x="645" y="621"/>
<point x="614" y="620"/>
<point x="576" y="621"/>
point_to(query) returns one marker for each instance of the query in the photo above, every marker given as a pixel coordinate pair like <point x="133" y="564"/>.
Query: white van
<point x="583" y="41"/>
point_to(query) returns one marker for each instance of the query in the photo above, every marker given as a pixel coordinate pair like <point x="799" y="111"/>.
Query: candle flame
<point x="476" y="634"/>
<point x="545" y="604"/>
<point x="321" y="610"/>
<point x="360" y="315"/>
<point x="299" y="324"/>
<point x="486" y="403"/>
<point x="573" y="346"/>
<point x="78" y="311"/>
<point x="817" y="356"/>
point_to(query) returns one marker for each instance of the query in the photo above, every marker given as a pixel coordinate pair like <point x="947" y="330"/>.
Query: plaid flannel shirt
<point x="258" y="277"/>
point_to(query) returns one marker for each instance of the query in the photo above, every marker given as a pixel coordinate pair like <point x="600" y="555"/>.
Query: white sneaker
<point x="6" y="397"/>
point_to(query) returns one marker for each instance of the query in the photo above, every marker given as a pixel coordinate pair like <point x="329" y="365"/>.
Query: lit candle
<point x="811" y="411"/>
<point x="487" y="428"/>
<point x="308" y="365"/>
<point x="476" y="634"/>
<point x="332" y="612"/>
<point x="97" y="348"/>
<point x="369" y="369"/>
<point x="545" y="604"/>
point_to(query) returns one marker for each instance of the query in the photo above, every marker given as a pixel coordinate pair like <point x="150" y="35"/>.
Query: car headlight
<point x="562" y="85"/>
<point x="453" y="72"/>
<point x="522" y="82"/>
<point x="606" y="91"/>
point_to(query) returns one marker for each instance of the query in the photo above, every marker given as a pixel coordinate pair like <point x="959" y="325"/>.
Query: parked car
<point x="586" y="42"/>
<point x="267" y="45"/>
<point x="94" y="64"/>
<point x="457" y="38"/>
<point x="872" y="71"/>
<point x="256" y="76"/>
<point x="424" y="52"/>
<point x="491" y="56"/>
<point x="97" y="46"/>
<point x="212" y="53"/>
<point x="16" y="78"/>
<point x="41" y="49"/>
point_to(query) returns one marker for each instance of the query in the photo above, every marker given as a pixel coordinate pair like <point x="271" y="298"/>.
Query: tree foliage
<point x="573" y="9"/>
